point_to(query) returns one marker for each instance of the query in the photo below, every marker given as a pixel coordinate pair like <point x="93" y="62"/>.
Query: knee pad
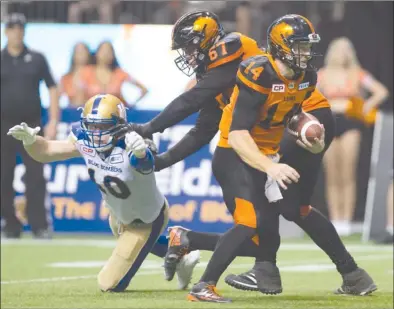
<point x="128" y="247"/>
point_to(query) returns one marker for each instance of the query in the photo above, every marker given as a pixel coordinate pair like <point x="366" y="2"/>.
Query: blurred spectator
<point x="244" y="18"/>
<point x="71" y="81"/>
<point x="104" y="9"/>
<point x="22" y="69"/>
<point x="343" y="81"/>
<point x="168" y="13"/>
<point x="105" y="76"/>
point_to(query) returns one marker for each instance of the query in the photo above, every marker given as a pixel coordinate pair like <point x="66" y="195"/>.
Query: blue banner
<point x="194" y="196"/>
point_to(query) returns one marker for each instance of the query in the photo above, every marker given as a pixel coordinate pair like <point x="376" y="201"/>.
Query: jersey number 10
<point x="123" y="191"/>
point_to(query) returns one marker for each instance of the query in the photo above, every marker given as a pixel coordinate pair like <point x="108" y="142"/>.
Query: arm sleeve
<point x="213" y="83"/>
<point x="145" y="165"/>
<point x="46" y="73"/>
<point x="201" y="134"/>
<point x="247" y="108"/>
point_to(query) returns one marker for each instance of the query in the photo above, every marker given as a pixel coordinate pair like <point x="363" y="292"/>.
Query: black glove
<point x="151" y="145"/>
<point x="123" y="127"/>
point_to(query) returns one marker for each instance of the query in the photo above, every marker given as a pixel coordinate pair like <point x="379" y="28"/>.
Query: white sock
<point x="389" y="229"/>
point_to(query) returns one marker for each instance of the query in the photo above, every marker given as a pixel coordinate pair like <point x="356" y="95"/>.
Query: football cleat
<point x="206" y="292"/>
<point x="246" y="281"/>
<point x="185" y="267"/>
<point x="268" y="278"/>
<point x="178" y="246"/>
<point x="357" y="282"/>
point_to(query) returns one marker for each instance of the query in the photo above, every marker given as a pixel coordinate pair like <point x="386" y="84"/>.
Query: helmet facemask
<point x="302" y="52"/>
<point x="191" y="55"/>
<point x="193" y="35"/>
<point x="98" y="132"/>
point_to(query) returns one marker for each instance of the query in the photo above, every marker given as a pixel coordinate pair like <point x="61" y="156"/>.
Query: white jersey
<point x="129" y="194"/>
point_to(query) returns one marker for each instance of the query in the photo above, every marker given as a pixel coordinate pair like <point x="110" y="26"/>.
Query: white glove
<point x="24" y="133"/>
<point x="136" y="144"/>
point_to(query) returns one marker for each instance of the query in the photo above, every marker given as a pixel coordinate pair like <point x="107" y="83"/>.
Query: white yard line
<point x="156" y="264"/>
<point x="41" y="280"/>
<point x="111" y="243"/>
<point x="307" y="266"/>
<point x="56" y="279"/>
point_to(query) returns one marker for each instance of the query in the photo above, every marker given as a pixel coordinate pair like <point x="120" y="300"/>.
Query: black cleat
<point x="386" y="239"/>
<point x="358" y="282"/>
<point x="12" y="232"/>
<point x="206" y="292"/>
<point x="246" y="281"/>
<point x="268" y="278"/>
<point x="42" y="234"/>
<point x="178" y="246"/>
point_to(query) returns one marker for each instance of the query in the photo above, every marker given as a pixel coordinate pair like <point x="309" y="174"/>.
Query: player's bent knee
<point x="116" y="269"/>
<point x="296" y="213"/>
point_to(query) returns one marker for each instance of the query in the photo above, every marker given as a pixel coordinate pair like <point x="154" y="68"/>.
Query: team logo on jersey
<point x="116" y="158"/>
<point x="303" y="86"/>
<point x="88" y="151"/>
<point x="278" y="88"/>
<point x="291" y="85"/>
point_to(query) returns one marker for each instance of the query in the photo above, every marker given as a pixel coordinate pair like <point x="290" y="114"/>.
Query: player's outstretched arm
<point x="41" y="149"/>
<point x="201" y="134"/>
<point x="214" y="82"/>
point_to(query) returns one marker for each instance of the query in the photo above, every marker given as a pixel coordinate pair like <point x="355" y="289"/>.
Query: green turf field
<point x="62" y="274"/>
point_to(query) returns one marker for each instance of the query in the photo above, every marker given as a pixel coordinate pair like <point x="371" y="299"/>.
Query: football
<point x="305" y="127"/>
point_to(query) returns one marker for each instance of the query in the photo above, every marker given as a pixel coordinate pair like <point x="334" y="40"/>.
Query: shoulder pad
<point x="256" y="73"/>
<point x="226" y="50"/>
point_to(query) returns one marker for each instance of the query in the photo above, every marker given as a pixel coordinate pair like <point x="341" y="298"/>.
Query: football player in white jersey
<point x="123" y="169"/>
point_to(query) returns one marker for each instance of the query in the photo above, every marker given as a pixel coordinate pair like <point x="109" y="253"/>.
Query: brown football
<point x="305" y="126"/>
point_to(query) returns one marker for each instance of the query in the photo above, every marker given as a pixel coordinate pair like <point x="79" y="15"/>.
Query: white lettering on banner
<point x="172" y="135"/>
<point x="214" y="143"/>
<point x="193" y="181"/>
<point x="18" y="184"/>
<point x="65" y="178"/>
<point x="57" y="185"/>
<point x="76" y="173"/>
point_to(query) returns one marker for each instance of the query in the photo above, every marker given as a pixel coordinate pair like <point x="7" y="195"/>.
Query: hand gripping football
<point x="305" y="127"/>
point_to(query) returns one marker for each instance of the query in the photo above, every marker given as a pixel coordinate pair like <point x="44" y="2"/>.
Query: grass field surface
<point x="61" y="273"/>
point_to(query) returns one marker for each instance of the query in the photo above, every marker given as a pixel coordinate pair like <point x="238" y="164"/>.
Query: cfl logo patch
<point x="88" y="151"/>
<point x="278" y="88"/>
<point x="303" y="86"/>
